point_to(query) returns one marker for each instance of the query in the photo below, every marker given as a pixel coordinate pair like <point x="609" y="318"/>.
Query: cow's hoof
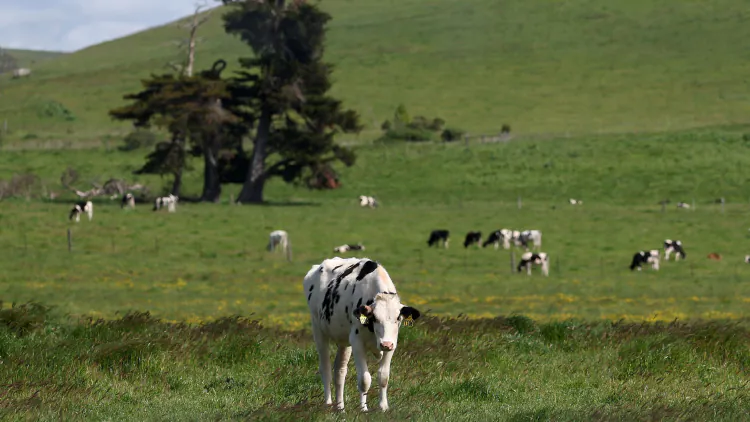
<point x="384" y="408"/>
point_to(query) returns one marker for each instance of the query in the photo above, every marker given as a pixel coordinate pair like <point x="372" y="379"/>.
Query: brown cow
<point x="714" y="256"/>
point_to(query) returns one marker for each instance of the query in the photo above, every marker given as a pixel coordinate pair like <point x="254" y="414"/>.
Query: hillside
<point x="580" y="66"/>
<point x="30" y="58"/>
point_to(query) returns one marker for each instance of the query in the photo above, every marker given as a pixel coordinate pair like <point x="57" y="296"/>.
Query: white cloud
<point x="68" y="25"/>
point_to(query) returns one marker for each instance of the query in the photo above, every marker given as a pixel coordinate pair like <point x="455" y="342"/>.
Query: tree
<point x="191" y="24"/>
<point x="190" y="108"/>
<point x="286" y="84"/>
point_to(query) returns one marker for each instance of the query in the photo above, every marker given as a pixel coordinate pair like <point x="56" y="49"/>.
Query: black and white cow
<point x="128" y="200"/>
<point x="81" y="207"/>
<point x="642" y="257"/>
<point x="279" y="240"/>
<point x="683" y="205"/>
<point x="575" y="201"/>
<point x="368" y="201"/>
<point x="473" y="238"/>
<point x="502" y="235"/>
<point x="169" y="201"/>
<point x="528" y="236"/>
<point x="348" y="247"/>
<point x="532" y="258"/>
<point x="747" y="259"/>
<point x="438" y="236"/>
<point x="353" y="303"/>
<point x="673" y="246"/>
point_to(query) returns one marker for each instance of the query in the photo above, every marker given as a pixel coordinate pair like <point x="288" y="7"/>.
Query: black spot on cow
<point x="332" y="296"/>
<point x="309" y="296"/>
<point x="369" y="267"/>
<point x="359" y="302"/>
<point x="346" y="310"/>
<point x="311" y="287"/>
<point x="337" y="267"/>
<point x="356" y="331"/>
<point x="369" y="302"/>
<point x="354" y="288"/>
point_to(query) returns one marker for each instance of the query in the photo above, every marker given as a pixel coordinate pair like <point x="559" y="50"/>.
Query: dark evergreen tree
<point x="190" y="108"/>
<point x="286" y="84"/>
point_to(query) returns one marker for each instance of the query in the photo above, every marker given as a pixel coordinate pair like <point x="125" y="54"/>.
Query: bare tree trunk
<point x="211" y="181"/>
<point x="177" y="184"/>
<point x="191" y="46"/>
<point x="252" y="190"/>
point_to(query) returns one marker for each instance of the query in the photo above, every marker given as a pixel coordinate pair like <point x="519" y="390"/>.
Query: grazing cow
<point x="497" y="236"/>
<point x="21" y="72"/>
<point x="128" y="200"/>
<point x="642" y="257"/>
<point x="81" y="207"/>
<point x="439" y="236"/>
<point x="530" y="258"/>
<point x="353" y="304"/>
<point x="367" y="201"/>
<point x="526" y="236"/>
<point x="673" y="246"/>
<point x="472" y="238"/>
<point x="714" y="256"/>
<point x="280" y="238"/>
<point x="747" y="259"/>
<point x="683" y="205"/>
<point x="167" y="201"/>
<point x="575" y="201"/>
<point x="348" y="247"/>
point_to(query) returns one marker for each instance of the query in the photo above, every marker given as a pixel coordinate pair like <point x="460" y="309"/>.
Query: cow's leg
<point x="340" y="366"/>
<point x="363" y="375"/>
<point x="528" y="268"/>
<point x="384" y="373"/>
<point x="321" y="343"/>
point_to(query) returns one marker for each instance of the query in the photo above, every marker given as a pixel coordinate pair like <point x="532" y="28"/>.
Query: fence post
<point x="693" y="204"/>
<point x="512" y="261"/>
<point x="519" y="202"/>
<point x="70" y="242"/>
<point x="722" y="204"/>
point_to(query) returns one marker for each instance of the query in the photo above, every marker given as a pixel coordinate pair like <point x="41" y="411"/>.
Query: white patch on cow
<point x="354" y="304"/>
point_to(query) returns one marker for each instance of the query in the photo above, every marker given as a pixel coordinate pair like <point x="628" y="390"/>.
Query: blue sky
<point x="69" y="25"/>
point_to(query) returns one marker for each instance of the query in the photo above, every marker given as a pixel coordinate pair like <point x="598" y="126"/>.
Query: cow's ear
<point x="363" y="313"/>
<point x="408" y="311"/>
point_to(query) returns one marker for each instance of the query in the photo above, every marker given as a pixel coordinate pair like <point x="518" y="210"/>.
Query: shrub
<point x="406" y="134"/>
<point x="505" y="128"/>
<point x="138" y="138"/>
<point x="451" y="134"/>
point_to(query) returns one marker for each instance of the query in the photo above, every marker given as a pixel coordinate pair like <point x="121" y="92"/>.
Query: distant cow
<point x="280" y="239"/>
<point x="128" y="200"/>
<point x="530" y="258"/>
<point x="575" y="201"/>
<point x="642" y="257"/>
<point x="683" y="205"/>
<point x="528" y="236"/>
<point x="747" y="259"/>
<point x="354" y="304"/>
<point x="367" y="201"/>
<point x="673" y="246"/>
<point x="439" y="236"/>
<point x="347" y="248"/>
<point x="714" y="256"/>
<point x="21" y="72"/>
<point x="502" y="235"/>
<point x="472" y="238"/>
<point x="167" y="201"/>
<point x="81" y="207"/>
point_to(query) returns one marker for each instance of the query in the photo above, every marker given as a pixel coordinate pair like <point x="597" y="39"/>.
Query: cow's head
<point x="383" y="317"/>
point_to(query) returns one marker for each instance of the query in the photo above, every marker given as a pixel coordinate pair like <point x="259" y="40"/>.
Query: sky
<point x="69" y="25"/>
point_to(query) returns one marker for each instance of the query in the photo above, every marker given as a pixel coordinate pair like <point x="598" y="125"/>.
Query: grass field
<point x="524" y="348"/>
<point x="577" y="66"/>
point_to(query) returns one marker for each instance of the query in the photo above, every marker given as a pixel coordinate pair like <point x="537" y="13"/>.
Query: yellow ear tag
<point x="408" y="322"/>
<point x="363" y="319"/>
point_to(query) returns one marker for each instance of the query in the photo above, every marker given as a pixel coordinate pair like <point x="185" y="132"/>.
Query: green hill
<point x="581" y="66"/>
